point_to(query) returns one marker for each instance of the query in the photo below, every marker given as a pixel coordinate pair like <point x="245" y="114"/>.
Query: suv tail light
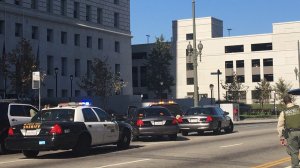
<point x="139" y="123"/>
<point x="209" y="119"/>
<point x="10" y="132"/>
<point x="56" y="129"/>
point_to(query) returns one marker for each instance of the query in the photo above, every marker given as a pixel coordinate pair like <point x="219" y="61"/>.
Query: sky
<point x="244" y="17"/>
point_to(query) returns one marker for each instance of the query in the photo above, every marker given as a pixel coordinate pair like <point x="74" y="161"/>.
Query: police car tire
<point x="2" y="148"/>
<point x="30" y="153"/>
<point x="217" y="131"/>
<point x="229" y="129"/>
<point x="83" y="145"/>
<point x="184" y="133"/>
<point x="124" y="142"/>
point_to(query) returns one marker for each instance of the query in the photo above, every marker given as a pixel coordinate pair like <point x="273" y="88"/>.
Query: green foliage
<point x="158" y="68"/>
<point x="22" y="63"/>
<point x="101" y="81"/>
<point x="281" y="88"/>
<point x="263" y="91"/>
<point x="233" y="89"/>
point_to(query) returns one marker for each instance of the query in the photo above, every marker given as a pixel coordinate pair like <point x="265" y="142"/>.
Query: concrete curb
<point x="244" y="122"/>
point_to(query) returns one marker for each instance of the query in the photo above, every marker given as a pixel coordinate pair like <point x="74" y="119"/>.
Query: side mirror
<point x="226" y="113"/>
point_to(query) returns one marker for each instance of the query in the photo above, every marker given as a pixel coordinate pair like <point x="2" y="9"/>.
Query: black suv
<point x="12" y="113"/>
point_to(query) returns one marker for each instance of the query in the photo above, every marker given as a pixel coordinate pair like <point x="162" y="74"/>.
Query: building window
<point x="255" y="78"/>
<point x="228" y="79"/>
<point x="50" y="93"/>
<point x="189" y="81"/>
<point x="89" y="68"/>
<point x="269" y="77"/>
<point x="240" y="63"/>
<point x="63" y="7"/>
<point x="268" y="62"/>
<point x="49" y="5"/>
<point x="117" y="69"/>
<point x="50" y="66"/>
<point x="135" y="79"/>
<point x="255" y="63"/>
<point x="77" y="68"/>
<point x="63" y="37"/>
<point x="241" y="78"/>
<point x="88" y="12"/>
<point x="76" y="10"/>
<point x="255" y="94"/>
<point x="99" y="15"/>
<point x="77" y="93"/>
<point x="228" y="64"/>
<point x="117" y="46"/>
<point x="189" y="66"/>
<point x="77" y="39"/>
<point x="18" y="2"/>
<point x="143" y="76"/>
<point x="116" y="2"/>
<point x="50" y="35"/>
<point x="100" y="43"/>
<point x="18" y="30"/>
<point x="2" y="27"/>
<point x="34" y="32"/>
<point x="261" y="47"/>
<point x="139" y="55"/>
<point x="34" y="4"/>
<point x="89" y="41"/>
<point x="64" y="66"/>
<point x="189" y="36"/>
<point x="64" y="93"/>
<point x="234" y="49"/>
<point x="116" y="20"/>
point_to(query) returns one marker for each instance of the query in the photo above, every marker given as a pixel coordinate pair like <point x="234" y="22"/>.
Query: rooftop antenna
<point x="229" y="29"/>
<point x="148" y="38"/>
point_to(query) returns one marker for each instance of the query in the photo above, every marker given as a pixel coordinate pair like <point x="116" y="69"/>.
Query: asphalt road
<point x="254" y="145"/>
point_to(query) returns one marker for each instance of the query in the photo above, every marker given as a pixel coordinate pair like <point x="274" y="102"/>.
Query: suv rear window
<point x="54" y="115"/>
<point x="197" y="111"/>
<point x="173" y="108"/>
<point x="152" y="112"/>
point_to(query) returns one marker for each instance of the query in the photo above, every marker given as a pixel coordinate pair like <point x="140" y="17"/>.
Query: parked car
<point x="76" y="126"/>
<point x="153" y="121"/>
<point x="200" y="119"/>
<point x="12" y="113"/>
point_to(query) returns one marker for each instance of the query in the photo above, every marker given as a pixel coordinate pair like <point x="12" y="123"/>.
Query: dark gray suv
<point x="200" y="119"/>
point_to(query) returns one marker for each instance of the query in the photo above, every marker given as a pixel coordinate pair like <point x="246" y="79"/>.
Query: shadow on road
<point x="160" y="139"/>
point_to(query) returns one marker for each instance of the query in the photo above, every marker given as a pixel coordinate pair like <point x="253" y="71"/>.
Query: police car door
<point x="111" y="129"/>
<point x="93" y="125"/>
<point x="20" y="113"/>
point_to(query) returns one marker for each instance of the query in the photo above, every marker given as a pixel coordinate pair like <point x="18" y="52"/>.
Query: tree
<point x="263" y="91"/>
<point x="233" y="89"/>
<point x="101" y="81"/>
<point x="158" y="64"/>
<point x="23" y="62"/>
<point x="281" y="88"/>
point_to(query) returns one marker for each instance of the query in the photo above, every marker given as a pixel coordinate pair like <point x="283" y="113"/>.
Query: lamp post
<point x="218" y="73"/>
<point x="192" y="51"/>
<point x="71" y="80"/>
<point x="56" y="72"/>
<point x="211" y="86"/>
<point x="161" y="89"/>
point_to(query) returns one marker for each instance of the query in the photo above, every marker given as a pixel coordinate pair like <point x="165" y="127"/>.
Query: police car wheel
<point x="30" y="153"/>
<point x="184" y="133"/>
<point x="229" y="129"/>
<point x="217" y="131"/>
<point x="2" y="148"/>
<point x="124" y="142"/>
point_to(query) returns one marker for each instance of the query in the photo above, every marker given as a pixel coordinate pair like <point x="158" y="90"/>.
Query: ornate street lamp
<point x="211" y="86"/>
<point x="56" y="72"/>
<point x="192" y="52"/>
<point x="161" y="89"/>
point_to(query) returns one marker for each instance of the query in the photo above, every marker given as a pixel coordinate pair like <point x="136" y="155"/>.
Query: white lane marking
<point x="118" y="164"/>
<point x="231" y="145"/>
<point x="12" y="161"/>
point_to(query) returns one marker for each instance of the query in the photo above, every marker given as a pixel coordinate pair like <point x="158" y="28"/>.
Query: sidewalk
<point x="255" y="121"/>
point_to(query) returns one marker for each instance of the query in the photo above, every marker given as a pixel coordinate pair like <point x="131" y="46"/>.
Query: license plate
<point x="158" y="123"/>
<point x="42" y="142"/>
<point x="31" y="132"/>
<point x="193" y="120"/>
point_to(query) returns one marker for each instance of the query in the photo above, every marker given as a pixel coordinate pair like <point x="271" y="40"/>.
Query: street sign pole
<point x="218" y="73"/>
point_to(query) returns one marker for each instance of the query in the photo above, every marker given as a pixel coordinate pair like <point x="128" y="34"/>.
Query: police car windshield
<point x="54" y="115"/>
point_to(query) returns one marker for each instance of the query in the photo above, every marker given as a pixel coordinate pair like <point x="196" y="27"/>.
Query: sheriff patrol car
<point x="76" y="126"/>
